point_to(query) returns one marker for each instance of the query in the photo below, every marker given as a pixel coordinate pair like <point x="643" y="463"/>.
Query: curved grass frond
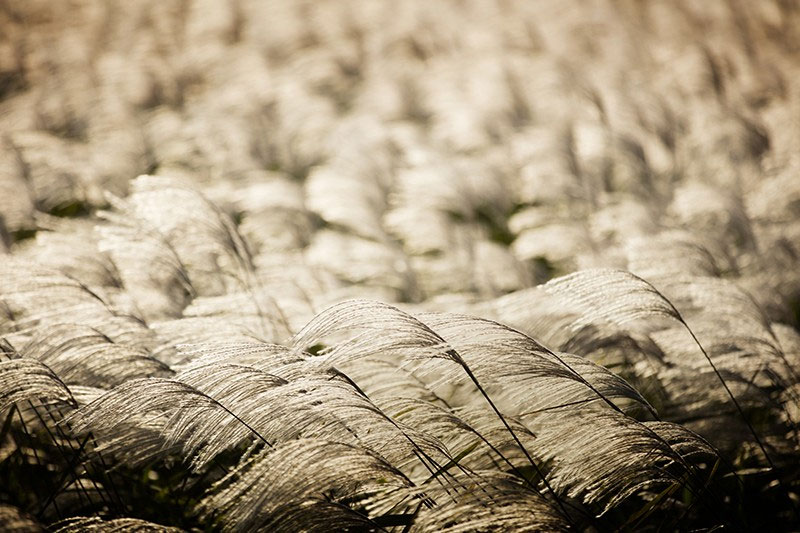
<point x="151" y="271"/>
<point x="397" y="330"/>
<point x="513" y="361"/>
<point x="27" y="379"/>
<point x="197" y="228"/>
<point x="33" y="295"/>
<point x="494" y="502"/>
<point x="173" y="333"/>
<point x="589" y="288"/>
<point x="603" y="457"/>
<point x="85" y="356"/>
<point x="182" y="252"/>
<point x="73" y="251"/>
<point x="670" y="254"/>
<point x="613" y="295"/>
<point x="255" y="310"/>
<point x="192" y="412"/>
<point x="274" y="491"/>
<point x="176" y="414"/>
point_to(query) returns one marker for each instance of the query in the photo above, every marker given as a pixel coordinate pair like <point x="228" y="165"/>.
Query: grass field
<point x="351" y="265"/>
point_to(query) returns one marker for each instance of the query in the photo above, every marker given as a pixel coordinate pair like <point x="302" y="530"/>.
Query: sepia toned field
<point x="351" y="265"/>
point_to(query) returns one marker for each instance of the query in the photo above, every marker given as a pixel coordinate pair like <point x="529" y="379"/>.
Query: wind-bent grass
<point x="451" y="266"/>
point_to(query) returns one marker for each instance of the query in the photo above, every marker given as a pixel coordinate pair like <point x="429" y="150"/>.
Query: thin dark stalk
<point x="63" y="436"/>
<point x="513" y="434"/>
<point x="33" y="448"/>
<point x="58" y="486"/>
<point x="411" y="523"/>
<point x="68" y="462"/>
<point x="589" y="385"/>
<point x="418" y="451"/>
<point x="20" y="447"/>
<point x="234" y="415"/>
<point x="559" y="406"/>
<point x="105" y="468"/>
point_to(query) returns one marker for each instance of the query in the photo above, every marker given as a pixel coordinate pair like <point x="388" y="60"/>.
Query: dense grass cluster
<point x="406" y="266"/>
